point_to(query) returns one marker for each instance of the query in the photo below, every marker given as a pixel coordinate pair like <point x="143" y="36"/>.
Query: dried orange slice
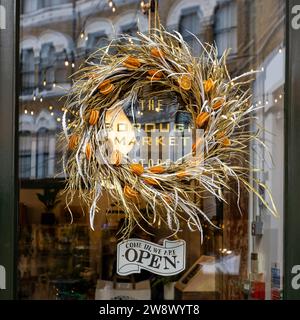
<point x="73" y="142"/>
<point x="208" y="85"/>
<point x="137" y="168"/>
<point x="202" y="119"/>
<point x="104" y="84"/>
<point x="217" y="105"/>
<point x="106" y="87"/>
<point x="155" y="73"/>
<point x="130" y="193"/>
<point x="94" y="116"/>
<point x="226" y="142"/>
<point x="88" y="151"/>
<point x="185" y="82"/>
<point x="132" y="63"/>
<point x="151" y="181"/>
<point x="157" y="169"/>
<point x="157" y="53"/>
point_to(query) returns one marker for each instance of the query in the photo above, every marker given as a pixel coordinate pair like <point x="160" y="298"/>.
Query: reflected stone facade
<point x="57" y="36"/>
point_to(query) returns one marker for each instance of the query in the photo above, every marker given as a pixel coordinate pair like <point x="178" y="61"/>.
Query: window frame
<point x="227" y="29"/>
<point x="9" y="106"/>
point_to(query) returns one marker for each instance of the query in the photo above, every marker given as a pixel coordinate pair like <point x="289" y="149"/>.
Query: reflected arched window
<point x="130" y="29"/>
<point x="61" y="71"/>
<point x="27" y="69"/>
<point x="25" y="144"/>
<point x="47" y="65"/>
<point x="225" y="27"/>
<point x="42" y="153"/>
<point x="190" y="22"/>
<point x="29" y="5"/>
<point x="96" y="40"/>
<point x="51" y="3"/>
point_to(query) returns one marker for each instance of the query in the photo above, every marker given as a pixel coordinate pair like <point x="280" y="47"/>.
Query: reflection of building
<point x="58" y="35"/>
<point x="37" y="145"/>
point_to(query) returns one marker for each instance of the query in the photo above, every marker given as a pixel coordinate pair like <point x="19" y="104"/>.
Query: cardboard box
<point x="200" y="282"/>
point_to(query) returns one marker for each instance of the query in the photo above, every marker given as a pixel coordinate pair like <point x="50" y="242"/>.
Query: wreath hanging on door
<point x="105" y="94"/>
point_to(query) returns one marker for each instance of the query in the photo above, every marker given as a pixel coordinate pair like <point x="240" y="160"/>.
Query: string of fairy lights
<point x="69" y="61"/>
<point x="112" y="6"/>
<point x="265" y="100"/>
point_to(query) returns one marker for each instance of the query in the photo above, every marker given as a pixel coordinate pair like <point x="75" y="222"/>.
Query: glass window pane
<point x="63" y="260"/>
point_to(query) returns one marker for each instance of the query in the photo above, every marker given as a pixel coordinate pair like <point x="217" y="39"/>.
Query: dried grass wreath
<point x="152" y="65"/>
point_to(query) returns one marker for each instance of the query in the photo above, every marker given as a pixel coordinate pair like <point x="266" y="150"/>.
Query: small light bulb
<point x="52" y="114"/>
<point x="41" y="99"/>
<point x="34" y="98"/>
<point x="62" y="109"/>
<point x="86" y="38"/>
<point x="259" y="102"/>
<point x="66" y="63"/>
<point x="25" y="111"/>
<point x="275" y="100"/>
<point x="31" y="112"/>
<point x="280" y="96"/>
<point x="280" y="50"/>
<point x="114" y="9"/>
<point x="50" y="107"/>
<point x="81" y="35"/>
<point x="262" y="68"/>
<point x="44" y="83"/>
<point x="58" y="119"/>
<point x="54" y="84"/>
<point x="73" y="65"/>
<point x="110" y="3"/>
<point x="267" y="102"/>
<point x="142" y="4"/>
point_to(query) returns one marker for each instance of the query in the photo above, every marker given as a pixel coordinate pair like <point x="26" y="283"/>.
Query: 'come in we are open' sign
<point x="136" y="254"/>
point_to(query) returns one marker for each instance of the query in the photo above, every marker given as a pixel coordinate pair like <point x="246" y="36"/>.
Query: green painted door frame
<point x="9" y="17"/>
<point x="292" y="153"/>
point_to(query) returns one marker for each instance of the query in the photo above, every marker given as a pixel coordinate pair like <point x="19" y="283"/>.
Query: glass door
<point x="58" y="259"/>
